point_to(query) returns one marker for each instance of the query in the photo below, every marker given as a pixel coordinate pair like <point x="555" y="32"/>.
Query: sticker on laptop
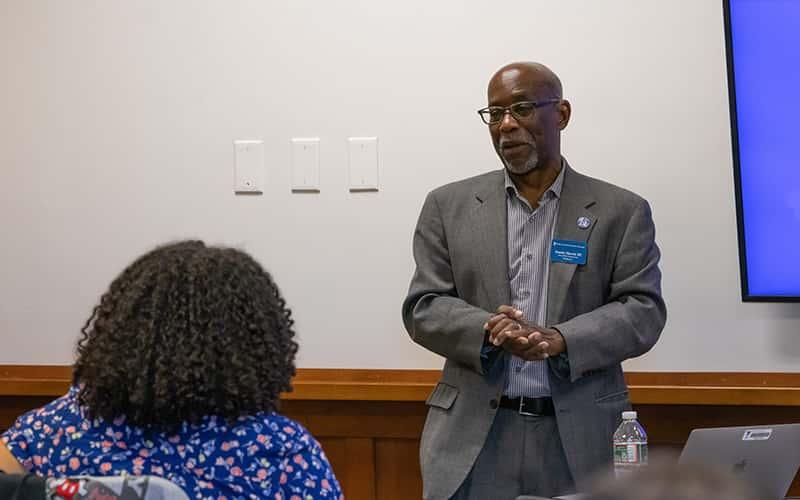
<point x="757" y="434"/>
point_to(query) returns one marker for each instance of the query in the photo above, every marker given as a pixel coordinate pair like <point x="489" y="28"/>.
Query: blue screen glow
<point x="765" y="36"/>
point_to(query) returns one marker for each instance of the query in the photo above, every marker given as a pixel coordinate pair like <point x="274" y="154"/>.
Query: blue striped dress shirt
<point x="530" y="232"/>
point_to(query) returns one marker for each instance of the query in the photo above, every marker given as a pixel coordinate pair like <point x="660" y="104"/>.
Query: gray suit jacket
<point x="608" y="310"/>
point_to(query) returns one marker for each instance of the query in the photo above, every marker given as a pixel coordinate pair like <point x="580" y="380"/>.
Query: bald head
<point x="529" y="115"/>
<point x="540" y="78"/>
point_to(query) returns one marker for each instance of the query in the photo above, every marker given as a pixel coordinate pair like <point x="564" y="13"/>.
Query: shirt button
<point x="493" y="404"/>
<point x="529" y="256"/>
<point x="524" y="293"/>
<point x="518" y="369"/>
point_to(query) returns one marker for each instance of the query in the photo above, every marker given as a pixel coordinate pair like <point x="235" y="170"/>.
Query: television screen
<point x="763" y="50"/>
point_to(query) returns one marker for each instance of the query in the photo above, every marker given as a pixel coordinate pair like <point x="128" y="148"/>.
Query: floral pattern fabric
<point x="260" y="456"/>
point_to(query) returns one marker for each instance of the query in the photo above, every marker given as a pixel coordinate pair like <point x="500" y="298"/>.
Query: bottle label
<point x="630" y="453"/>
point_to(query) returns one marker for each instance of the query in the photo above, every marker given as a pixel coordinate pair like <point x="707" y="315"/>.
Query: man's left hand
<point x="540" y="343"/>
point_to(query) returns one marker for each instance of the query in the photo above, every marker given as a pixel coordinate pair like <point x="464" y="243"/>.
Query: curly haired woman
<point x="178" y="375"/>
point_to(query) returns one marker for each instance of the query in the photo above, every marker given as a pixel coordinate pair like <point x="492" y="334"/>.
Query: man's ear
<point x="564" y="113"/>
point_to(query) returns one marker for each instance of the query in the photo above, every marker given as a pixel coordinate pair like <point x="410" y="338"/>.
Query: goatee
<point x="526" y="168"/>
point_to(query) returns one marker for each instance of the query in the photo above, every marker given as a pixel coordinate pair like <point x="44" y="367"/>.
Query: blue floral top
<point x="261" y="456"/>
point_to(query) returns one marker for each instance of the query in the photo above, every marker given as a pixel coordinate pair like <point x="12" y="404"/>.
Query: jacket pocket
<point x="612" y="397"/>
<point x="443" y="396"/>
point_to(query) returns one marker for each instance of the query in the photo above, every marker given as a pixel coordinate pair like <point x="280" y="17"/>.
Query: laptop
<point x="767" y="455"/>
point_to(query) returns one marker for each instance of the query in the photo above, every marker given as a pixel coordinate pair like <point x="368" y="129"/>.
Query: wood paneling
<point x="719" y="379"/>
<point x="312" y="384"/>
<point x="353" y="461"/>
<point x="387" y="419"/>
<point x="671" y="424"/>
<point x="369" y="421"/>
<point x="713" y="388"/>
<point x="396" y="464"/>
<point x="397" y="469"/>
<point x="12" y="407"/>
<point x="363" y="385"/>
<point x="27" y="380"/>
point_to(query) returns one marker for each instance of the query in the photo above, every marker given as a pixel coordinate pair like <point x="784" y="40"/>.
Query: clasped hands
<point x="511" y="331"/>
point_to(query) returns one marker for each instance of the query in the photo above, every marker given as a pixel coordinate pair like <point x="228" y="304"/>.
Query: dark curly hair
<point x="184" y="332"/>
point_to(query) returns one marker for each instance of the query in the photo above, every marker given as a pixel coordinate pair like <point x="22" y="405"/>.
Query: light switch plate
<point x="305" y="164"/>
<point x="248" y="166"/>
<point x="363" y="161"/>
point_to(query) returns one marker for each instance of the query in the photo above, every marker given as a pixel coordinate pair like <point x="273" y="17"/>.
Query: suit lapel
<point x="489" y="226"/>
<point x="575" y="202"/>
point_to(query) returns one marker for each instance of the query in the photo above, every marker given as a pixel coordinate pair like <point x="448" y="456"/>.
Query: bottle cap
<point x="629" y="415"/>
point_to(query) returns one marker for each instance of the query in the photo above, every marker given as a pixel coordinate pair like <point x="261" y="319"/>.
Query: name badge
<point x="568" y="252"/>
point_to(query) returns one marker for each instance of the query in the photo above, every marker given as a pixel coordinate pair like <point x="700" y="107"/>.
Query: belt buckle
<point x="526" y="413"/>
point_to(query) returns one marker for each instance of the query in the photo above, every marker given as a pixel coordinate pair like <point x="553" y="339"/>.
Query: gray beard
<point x="527" y="167"/>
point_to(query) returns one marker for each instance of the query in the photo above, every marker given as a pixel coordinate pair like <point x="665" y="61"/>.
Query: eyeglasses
<point x="519" y="110"/>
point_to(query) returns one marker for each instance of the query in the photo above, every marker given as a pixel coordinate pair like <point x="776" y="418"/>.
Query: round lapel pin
<point x="584" y="222"/>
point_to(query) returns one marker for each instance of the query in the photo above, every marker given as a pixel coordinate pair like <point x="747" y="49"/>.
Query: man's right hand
<point x="509" y="330"/>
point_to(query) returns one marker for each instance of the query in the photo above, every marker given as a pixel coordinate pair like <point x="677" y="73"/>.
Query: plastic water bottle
<point x="630" y="446"/>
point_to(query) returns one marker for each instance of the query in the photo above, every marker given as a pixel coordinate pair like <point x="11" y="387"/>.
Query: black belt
<point x="537" y="407"/>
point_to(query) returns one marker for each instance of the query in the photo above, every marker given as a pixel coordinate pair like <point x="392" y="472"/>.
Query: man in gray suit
<point x="534" y="282"/>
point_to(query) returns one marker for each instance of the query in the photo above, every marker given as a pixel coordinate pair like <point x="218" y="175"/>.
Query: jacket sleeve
<point x="630" y="323"/>
<point x="433" y="313"/>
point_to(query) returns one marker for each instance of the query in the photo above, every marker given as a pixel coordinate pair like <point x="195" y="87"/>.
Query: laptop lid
<point x="768" y="456"/>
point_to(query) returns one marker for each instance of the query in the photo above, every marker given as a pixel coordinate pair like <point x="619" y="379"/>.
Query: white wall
<point x="117" y="121"/>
